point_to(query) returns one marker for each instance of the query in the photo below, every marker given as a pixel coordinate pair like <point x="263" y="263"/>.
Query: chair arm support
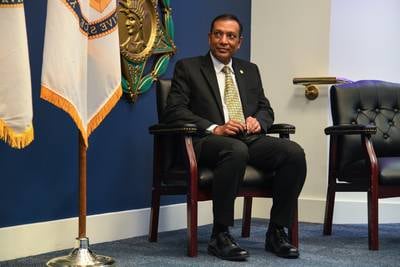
<point x="346" y="129"/>
<point x="186" y="129"/>
<point x="282" y="128"/>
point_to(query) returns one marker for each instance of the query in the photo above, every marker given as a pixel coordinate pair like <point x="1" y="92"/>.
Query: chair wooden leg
<point x="155" y="210"/>
<point x="192" y="226"/>
<point x="373" y="239"/>
<point x="246" y="220"/>
<point x="294" y="229"/>
<point x="330" y="202"/>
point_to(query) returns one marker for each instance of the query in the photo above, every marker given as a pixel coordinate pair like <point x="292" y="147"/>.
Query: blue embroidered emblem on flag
<point x="93" y="29"/>
<point x="5" y="3"/>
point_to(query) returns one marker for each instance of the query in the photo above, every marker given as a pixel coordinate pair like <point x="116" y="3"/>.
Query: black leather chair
<point x="176" y="172"/>
<point x="364" y="153"/>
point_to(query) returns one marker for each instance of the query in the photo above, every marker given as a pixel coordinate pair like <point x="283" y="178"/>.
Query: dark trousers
<point x="228" y="157"/>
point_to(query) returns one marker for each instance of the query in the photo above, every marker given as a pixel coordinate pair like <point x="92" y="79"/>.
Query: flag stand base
<point x="82" y="256"/>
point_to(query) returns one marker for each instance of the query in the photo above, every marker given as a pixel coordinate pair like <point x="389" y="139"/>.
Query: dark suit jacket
<point x="195" y="97"/>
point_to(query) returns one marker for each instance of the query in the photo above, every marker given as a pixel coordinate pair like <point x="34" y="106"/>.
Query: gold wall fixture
<point x="311" y="89"/>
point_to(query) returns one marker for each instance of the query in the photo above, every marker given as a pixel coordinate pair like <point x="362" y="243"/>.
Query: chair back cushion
<point x="163" y="88"/>
<point x="366" y="102"/>
<point x="171" y="147"/>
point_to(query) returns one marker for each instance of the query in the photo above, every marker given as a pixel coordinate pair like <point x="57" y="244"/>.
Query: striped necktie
<point x="231" y="97"/>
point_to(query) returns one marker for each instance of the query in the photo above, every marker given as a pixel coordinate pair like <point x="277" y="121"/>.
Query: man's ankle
<point x="274" y="226"/>
<point x="219" y="228"/>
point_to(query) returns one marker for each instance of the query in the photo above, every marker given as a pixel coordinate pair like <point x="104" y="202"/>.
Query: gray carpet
<point x="348" y="246"/>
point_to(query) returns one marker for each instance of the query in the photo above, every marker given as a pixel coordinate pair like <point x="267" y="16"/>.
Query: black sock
<point x="219" y="228"/>
<point x="272" y="226"/>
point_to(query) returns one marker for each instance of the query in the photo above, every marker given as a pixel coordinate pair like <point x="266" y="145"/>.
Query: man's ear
<point x="209" y="38"/>
<point x="240" y="41"/>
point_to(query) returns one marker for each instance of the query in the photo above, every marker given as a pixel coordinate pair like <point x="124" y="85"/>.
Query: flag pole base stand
<point x="81" y="256"/>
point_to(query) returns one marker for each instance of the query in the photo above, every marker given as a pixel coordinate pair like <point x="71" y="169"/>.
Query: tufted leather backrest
<point x="367" y="102"/>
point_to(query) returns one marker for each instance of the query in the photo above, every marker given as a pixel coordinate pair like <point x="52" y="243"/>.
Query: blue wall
<point x="39" y="183"/>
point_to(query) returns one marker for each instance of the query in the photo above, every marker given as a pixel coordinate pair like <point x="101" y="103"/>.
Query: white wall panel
<point x="291" y="39"/>
<point x="356" y="39"/>
<point x="365" y="39"/>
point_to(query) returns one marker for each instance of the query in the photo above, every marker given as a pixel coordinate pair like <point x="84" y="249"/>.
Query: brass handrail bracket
<point x="311" y="89"/>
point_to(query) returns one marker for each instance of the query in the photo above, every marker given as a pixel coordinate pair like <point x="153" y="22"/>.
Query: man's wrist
<point x="211" y="129"/>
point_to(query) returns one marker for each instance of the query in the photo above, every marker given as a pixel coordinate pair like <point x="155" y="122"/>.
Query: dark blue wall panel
<point x="39" y="183"/>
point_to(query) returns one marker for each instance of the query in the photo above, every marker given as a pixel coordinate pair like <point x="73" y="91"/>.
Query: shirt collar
<point x="218" y="65"/>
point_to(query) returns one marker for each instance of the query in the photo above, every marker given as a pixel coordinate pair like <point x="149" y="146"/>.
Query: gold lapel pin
<point x="241" y="71"/>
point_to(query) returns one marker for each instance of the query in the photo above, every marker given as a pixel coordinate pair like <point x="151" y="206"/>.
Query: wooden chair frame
<point x="373" y="188"/>
<point x="193" y="192"/>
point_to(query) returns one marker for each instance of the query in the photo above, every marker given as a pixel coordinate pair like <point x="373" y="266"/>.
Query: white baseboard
<point x="32" y="239"/>
<point x="37" y="238"/>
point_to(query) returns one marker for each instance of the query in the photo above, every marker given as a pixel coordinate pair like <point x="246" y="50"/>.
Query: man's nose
<point x="224" y="39"/>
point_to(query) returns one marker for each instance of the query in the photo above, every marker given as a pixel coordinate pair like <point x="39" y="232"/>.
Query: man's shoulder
<point x="243" y="62"/>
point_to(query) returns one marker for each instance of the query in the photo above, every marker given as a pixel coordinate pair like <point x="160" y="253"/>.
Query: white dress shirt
<point x="218" y="66"/>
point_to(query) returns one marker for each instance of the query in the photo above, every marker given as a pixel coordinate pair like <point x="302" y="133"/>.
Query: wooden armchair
<point x="364" y="153"/>
<point x="176" y="172"/>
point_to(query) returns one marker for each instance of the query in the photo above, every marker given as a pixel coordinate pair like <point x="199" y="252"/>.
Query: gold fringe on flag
<point x="104" y="110"/>
<point x="16" y="140"/>
<point x="65" y="105"/>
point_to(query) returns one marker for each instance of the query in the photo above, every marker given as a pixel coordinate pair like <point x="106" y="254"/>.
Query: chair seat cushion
<point x="253" y="177"/>
<point x="358" y="171"/>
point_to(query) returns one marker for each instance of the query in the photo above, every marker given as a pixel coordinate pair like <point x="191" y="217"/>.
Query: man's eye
<point x="218" y="34"/>
<point x="231" y="36"/>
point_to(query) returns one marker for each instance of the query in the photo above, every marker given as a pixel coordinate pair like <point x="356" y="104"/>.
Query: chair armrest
<point x="282" y="128"/>
<point x="346" y="129"/>
<point x="162" y="128"/>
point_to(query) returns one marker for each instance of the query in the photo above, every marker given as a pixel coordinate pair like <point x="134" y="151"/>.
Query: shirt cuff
<point x="211" y="128"/>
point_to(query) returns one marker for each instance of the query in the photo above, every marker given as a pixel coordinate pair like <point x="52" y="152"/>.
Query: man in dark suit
<point x="201" y="93"/>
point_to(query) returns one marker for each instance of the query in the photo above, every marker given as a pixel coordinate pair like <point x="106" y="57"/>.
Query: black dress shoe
<point x="225" y="247"/>
<point x="277" y="242"/>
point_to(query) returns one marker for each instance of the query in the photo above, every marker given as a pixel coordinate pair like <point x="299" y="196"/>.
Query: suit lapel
<point x="207" y="68"/>
<point x="241" y="83"/>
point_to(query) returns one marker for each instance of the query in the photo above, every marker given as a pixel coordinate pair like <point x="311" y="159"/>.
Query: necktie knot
<point x="226" y="70"/>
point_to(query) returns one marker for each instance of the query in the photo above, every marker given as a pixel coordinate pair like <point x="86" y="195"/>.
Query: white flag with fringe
<point x="81" y="63"/>
<point x="15" y="79"/>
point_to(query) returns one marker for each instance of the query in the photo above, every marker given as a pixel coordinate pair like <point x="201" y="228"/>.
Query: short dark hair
<point x="227" y="17"/>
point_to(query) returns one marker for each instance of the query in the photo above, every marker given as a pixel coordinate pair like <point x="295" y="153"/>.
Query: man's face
<point x="224" y="40"/>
